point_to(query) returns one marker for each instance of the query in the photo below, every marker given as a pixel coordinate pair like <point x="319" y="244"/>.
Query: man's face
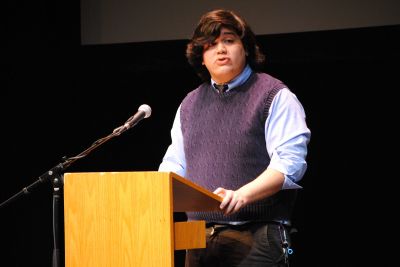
<point x="225" y="58"/>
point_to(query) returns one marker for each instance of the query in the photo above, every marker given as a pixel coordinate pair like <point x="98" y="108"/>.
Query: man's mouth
<point x="222" y="61"/>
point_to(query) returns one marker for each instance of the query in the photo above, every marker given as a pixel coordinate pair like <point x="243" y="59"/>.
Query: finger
<point x="238" y="204"/>
<point x="227" y="199"/>
<point x="237" y="207"/>
<point x="232" y="204"/>
<point x="219" y="191"/>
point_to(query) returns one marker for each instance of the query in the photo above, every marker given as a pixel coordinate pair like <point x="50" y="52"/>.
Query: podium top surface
<point x="186" y="195"/>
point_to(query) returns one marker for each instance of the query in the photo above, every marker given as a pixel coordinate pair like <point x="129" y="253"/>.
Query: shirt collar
<point x="239" y="80"/>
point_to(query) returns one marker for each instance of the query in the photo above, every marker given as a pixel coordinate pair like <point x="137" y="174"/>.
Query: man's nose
<point x="221" y="49"/>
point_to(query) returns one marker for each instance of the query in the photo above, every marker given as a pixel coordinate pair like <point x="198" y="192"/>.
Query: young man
<point x="241" y="134"/>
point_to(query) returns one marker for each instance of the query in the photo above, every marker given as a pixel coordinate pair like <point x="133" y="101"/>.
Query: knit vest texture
<point x="224" y="143"/>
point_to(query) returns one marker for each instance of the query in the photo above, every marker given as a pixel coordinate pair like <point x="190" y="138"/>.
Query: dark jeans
<point x="252" y="244"/>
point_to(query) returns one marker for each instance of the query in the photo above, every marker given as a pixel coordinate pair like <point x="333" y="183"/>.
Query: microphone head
<point x="146" y="109"/>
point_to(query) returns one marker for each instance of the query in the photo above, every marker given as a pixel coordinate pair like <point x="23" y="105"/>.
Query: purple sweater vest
<point x="224" y="142"/>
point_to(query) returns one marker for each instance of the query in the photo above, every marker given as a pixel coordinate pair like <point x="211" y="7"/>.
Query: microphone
<point x="144" y="111"/>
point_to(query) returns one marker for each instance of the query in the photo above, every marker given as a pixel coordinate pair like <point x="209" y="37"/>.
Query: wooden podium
<point x="126" y="218"/>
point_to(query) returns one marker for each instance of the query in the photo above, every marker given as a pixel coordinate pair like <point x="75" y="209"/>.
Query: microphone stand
<point x="56" y="175"/>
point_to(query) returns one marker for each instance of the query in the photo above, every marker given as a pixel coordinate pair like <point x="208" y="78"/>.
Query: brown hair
<point x="208" y="30"/>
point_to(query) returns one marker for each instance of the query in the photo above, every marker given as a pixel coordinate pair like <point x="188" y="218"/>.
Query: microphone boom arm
<point x="57" y="170"/>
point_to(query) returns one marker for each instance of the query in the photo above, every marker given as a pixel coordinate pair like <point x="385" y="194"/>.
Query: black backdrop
<point x="60" y="97"/>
